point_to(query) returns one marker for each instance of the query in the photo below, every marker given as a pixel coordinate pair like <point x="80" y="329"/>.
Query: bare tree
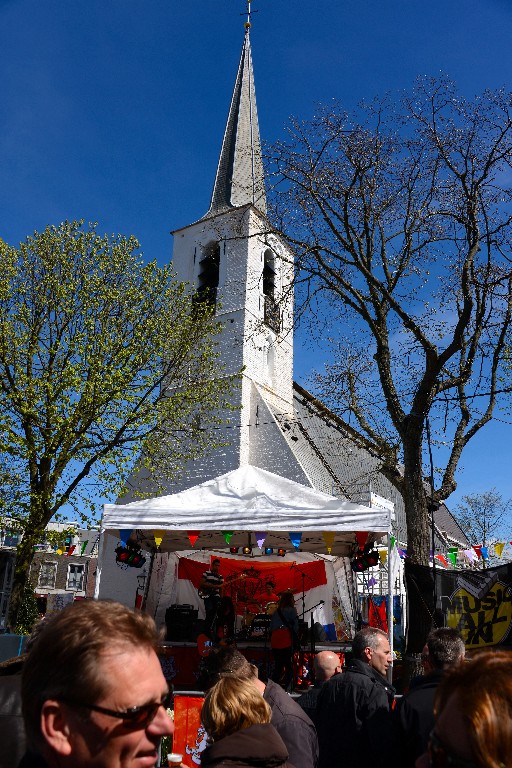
<point x="483" y="516"/>
<point x="400" y="217"/>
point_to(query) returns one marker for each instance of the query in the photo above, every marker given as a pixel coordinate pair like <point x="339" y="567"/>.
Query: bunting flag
<point x="260" y="537"/>
<point x="159" y="537"/>
<point x="478" y="550"/>
<point x="193" y="537"/>
<point x="383" y="556"/>
<point x="452" y="556"/>
<point x="71" y="550"/>
<point x="295" y="538"/>
<point x="499" y="547"/>
<point x="470" y="554"/>
<point x="228" y="536"/>
<point x="392" y="541"/>
<point x="361" y="537"/>
<point x="372" y="582"/>
<point x="328" y="537"/>
<point x="124" y="535"/>
<point x="402" y="553"/>
<point x="84" y="544"/>
<point x="485" y="553"/>
<point x="60" y="551"/>
<point x="442" y="559"/>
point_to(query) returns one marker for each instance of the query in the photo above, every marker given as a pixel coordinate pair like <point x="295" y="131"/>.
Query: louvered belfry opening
<point x="271" y="309"/>
<point x="208" y="278"/>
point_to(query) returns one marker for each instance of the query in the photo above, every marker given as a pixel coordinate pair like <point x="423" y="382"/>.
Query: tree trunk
<point x="24" y="556"/>
<point x="418" y="575"/>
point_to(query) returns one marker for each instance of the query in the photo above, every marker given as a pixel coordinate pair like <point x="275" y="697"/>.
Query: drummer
<point x="270" y="597"/>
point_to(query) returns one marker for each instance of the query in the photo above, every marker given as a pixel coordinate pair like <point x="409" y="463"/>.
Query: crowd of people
<point x="93" y="695"/>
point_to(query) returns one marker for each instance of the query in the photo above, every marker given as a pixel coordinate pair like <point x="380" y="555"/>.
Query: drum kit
<point x="256" y="624"/>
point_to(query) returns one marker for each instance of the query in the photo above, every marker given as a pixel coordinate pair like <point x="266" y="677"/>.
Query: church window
<point x="208" y="278"/>
<point x="271" y="309"/>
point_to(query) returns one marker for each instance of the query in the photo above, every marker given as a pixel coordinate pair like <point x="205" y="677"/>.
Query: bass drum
<point x="260" y="627"/>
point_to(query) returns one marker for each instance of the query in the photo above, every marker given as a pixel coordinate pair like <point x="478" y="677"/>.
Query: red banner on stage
<point x="247" y="580"/>
<point x="189" y="737"/>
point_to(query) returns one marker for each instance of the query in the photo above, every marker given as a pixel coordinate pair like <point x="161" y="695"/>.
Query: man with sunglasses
<point x="93" y="691"/>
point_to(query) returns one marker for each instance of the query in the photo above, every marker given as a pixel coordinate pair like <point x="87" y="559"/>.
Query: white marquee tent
<point x="246" y="501"/>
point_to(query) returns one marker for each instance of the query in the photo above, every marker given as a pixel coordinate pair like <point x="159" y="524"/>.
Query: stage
<point x="181" y="660"/>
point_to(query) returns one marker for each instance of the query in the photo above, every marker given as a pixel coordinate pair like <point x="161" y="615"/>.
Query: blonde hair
<point x="231" y="705"/>
<point x="484" y="696"/>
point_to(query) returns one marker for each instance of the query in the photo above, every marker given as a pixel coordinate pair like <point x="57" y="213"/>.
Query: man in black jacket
<point x="353" y="717"/>
<point x="414" y="717"/>
<point x="325" y="665"/>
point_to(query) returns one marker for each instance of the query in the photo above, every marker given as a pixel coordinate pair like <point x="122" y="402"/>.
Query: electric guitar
<point x="205" y="592"/>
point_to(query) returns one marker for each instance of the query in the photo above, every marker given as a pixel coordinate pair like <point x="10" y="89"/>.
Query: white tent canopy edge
<point x="248" y="499"/>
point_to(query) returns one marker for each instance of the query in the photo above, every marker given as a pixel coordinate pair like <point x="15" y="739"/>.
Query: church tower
<point x="231" y="258"/>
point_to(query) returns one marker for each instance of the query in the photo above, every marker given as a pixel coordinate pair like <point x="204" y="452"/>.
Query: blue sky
<point x="114" y="111"/>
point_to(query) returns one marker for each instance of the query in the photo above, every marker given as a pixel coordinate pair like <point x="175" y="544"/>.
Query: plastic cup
<point x="174" y="760"/>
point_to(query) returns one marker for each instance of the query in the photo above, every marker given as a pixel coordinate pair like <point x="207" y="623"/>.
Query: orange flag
<point x="189" y="737"/>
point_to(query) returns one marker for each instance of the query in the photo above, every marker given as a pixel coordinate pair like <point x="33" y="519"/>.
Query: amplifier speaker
<point x="180" y="621"/>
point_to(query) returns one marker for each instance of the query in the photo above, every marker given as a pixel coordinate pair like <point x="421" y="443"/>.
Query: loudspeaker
<point x="180" y="621"/>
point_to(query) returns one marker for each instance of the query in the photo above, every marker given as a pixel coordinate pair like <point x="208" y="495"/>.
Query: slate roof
<point x="240" y="179"/>
<point x="339" y="460"/>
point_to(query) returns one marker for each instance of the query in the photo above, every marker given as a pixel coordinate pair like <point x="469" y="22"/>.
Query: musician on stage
<point x="210" y="588"/>
<point x="270" y="597"/>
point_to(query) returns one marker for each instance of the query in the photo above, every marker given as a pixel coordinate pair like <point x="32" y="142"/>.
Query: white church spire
<point x="239" y="179"/>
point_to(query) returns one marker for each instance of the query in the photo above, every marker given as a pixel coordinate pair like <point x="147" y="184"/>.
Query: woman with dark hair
<point x="473" y="708"/>
<point x="284" y="628"/>
<point x="237" y="720"/>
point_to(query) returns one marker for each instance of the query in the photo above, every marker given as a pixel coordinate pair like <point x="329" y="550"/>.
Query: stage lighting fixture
<point x="269" y="551"/>
<point x="247" y="551"/>
<point x="365" y="559"/>
<point x="233" y="550"/>
<point x="281" y="552"/>
<point x="131" y="555"/>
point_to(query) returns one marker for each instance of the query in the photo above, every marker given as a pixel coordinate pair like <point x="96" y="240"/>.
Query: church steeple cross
<point x="249" y="12"/>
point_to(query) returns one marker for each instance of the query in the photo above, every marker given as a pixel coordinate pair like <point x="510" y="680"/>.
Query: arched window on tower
<point x="271" y="308"/>
<point x="208" y="277"/>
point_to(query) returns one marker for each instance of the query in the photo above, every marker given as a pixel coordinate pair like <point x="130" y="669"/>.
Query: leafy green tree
<point x="400" y="216"/>
<point x="28" y="613"/>
<point x="104" y="361"/>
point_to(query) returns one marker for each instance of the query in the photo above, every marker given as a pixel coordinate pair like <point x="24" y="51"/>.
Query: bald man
<point x="326" y="664"/>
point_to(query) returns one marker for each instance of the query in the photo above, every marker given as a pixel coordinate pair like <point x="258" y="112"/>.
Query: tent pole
<point x="390" y="604"/>
<point x="99" y="563"/>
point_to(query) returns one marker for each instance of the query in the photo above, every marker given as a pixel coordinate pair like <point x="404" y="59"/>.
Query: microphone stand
<point x="303" y="577"/>
<point x="312" y="635"/>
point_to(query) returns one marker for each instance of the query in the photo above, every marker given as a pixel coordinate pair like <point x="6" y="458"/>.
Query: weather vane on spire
<point x="247" y="24"/>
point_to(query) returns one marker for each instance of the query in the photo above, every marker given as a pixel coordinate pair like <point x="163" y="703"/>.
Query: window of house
<point x="208" y="278"/>
<point x="47" y="575"/>
<point x="10" y="538"/>
<point x="75" y="577"/>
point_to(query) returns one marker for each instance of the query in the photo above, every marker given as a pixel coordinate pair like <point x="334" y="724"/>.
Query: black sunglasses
<point x="441" y="757"/>
<point x="138" y="717"/>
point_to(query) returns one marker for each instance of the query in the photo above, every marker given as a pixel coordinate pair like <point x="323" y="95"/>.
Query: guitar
<point x="207" y="591"/>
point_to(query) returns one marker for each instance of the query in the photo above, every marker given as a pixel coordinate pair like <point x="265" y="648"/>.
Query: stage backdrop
<point x="478" y="604"/>
<point x="176" y="581"/>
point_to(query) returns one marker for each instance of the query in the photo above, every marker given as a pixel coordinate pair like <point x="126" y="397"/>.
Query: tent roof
<point x="245" y="501"/>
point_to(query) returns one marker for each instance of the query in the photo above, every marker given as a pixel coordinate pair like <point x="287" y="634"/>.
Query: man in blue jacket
<point x="354" y="709"/>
